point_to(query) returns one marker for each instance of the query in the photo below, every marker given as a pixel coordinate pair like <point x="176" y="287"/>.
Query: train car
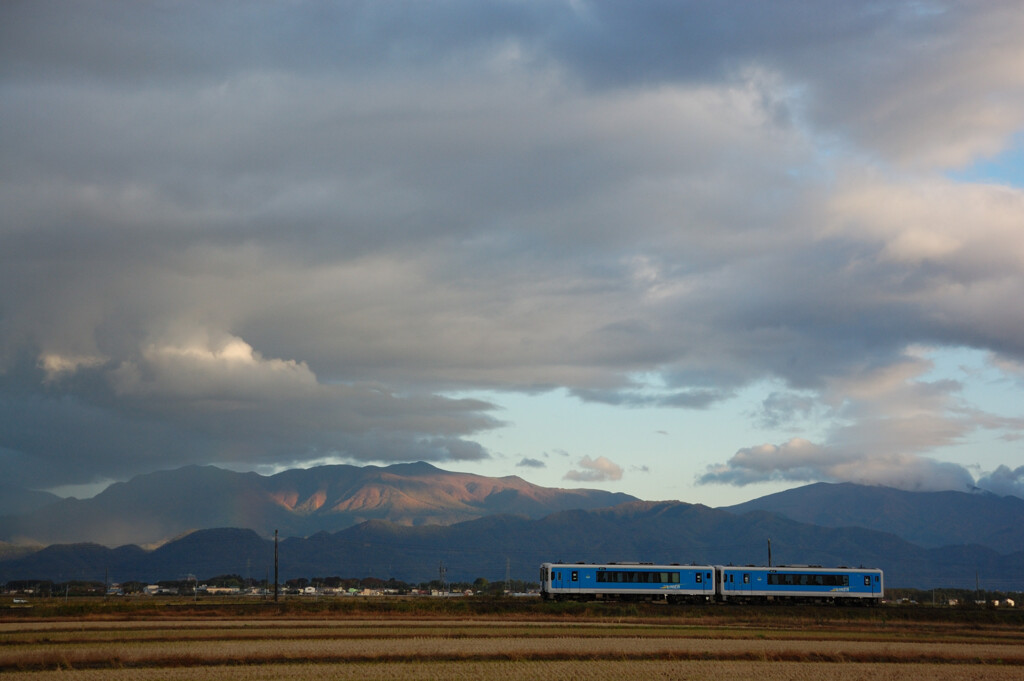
<point x="799" y="583"/>
<point x="627" y="581"/>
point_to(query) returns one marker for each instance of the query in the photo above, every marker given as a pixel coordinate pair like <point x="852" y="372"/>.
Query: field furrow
<point x="563" y="670"/>
<point x="727" y="645"/>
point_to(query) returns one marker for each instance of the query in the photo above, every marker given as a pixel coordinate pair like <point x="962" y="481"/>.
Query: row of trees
<point x="48" y="589"/>
<point x="964" y="598"/>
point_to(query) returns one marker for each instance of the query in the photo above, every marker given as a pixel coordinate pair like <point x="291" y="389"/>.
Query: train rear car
<point x="799" y="583"/>
<point x="627" y="581"/>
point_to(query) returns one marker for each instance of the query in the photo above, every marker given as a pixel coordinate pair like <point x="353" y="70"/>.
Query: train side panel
<point x="799" y="583"/>
<point x="618" y="580"/>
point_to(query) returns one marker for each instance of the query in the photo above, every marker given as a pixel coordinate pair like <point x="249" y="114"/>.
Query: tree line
<point x="45" y="588"/>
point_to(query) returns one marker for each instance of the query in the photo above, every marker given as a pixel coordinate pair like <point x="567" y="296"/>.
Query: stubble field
<point x="525" y="643"/>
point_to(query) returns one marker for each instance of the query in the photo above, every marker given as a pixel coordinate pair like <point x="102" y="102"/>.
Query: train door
<point x="732" y="584"/>
<point x="706" y="582"/>
<point x="556" y="580"/>
<point x="746" y="583"/>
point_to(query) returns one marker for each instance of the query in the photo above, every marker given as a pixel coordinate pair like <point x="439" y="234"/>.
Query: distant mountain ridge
<point x="486" y="547"/>
<point x="929" y="519"/>
<point x="152" y="508"/>
<point x="20" y="500"/>
<point x="403" y="520"/>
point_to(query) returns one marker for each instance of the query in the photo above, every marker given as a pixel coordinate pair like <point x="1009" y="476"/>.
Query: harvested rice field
<point x="526" y="646"/>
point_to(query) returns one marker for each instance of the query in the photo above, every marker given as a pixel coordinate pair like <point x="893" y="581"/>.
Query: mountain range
<point x="150" y="509"/>
<point x="476" y="526"/>
<point x="929" y="519"/>
<point x="488" y="546"/>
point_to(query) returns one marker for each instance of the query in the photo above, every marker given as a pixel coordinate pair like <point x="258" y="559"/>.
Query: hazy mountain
<point x="931" y="519"/>
<point x="155" y="507"/>
<point x="11" y="551"/>
<point x="639" y="531"/>
<point x="20" y="500"/>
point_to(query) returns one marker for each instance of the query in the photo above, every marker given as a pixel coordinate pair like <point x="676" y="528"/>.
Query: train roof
<point x="630" y="565"/>
<point x="838" y="568"/>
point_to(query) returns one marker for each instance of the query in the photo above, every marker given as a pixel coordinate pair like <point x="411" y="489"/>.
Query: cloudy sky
<point x="683" y="250"/>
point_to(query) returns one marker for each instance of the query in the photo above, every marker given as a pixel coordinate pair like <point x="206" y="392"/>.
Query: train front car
<point x="627" y="581"/>
<point x="800" y="583"/>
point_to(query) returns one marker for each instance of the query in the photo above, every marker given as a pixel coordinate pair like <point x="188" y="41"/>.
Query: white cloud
<point x="801" y="461"/>
<point x="1004" y="481"/>
<point x="600" y="469"/>
<point x="968" y="230"/>
<point x="56" y="365"/>
<point x="226" y="369"/>
<point x="884" y="422"/>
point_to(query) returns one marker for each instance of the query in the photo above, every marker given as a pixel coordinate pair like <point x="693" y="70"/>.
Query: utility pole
<point x="275" y="566"/>
<point x="769" y="551"/>
<point x="442" y="572"/>
<point x="508" y="575"/>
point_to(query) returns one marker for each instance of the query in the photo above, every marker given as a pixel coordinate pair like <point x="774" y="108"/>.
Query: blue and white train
<point x="702" y="583"/>
<point x="582" y="581"/>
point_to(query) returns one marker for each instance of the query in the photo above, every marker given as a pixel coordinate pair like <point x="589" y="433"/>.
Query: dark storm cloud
<point x="869" y="70"/>
<point x="266" y="232"/>
<point x="184" y="405"/>
<point x="139" y="44"/>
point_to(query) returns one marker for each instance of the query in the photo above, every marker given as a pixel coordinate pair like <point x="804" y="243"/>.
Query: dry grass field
<point x="532" y="643"/>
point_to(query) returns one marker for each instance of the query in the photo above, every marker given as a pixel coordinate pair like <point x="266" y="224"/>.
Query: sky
<point x="682" y="250"/>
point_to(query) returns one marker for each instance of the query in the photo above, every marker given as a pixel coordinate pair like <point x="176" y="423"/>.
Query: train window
<point x="746" y="578"/>
<point x="637" y="577"/>
<point x="867" y="580"/>
<point x="575" y="576"/>
<point x="785" y="579"/>
<point x="700" y="578"/>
